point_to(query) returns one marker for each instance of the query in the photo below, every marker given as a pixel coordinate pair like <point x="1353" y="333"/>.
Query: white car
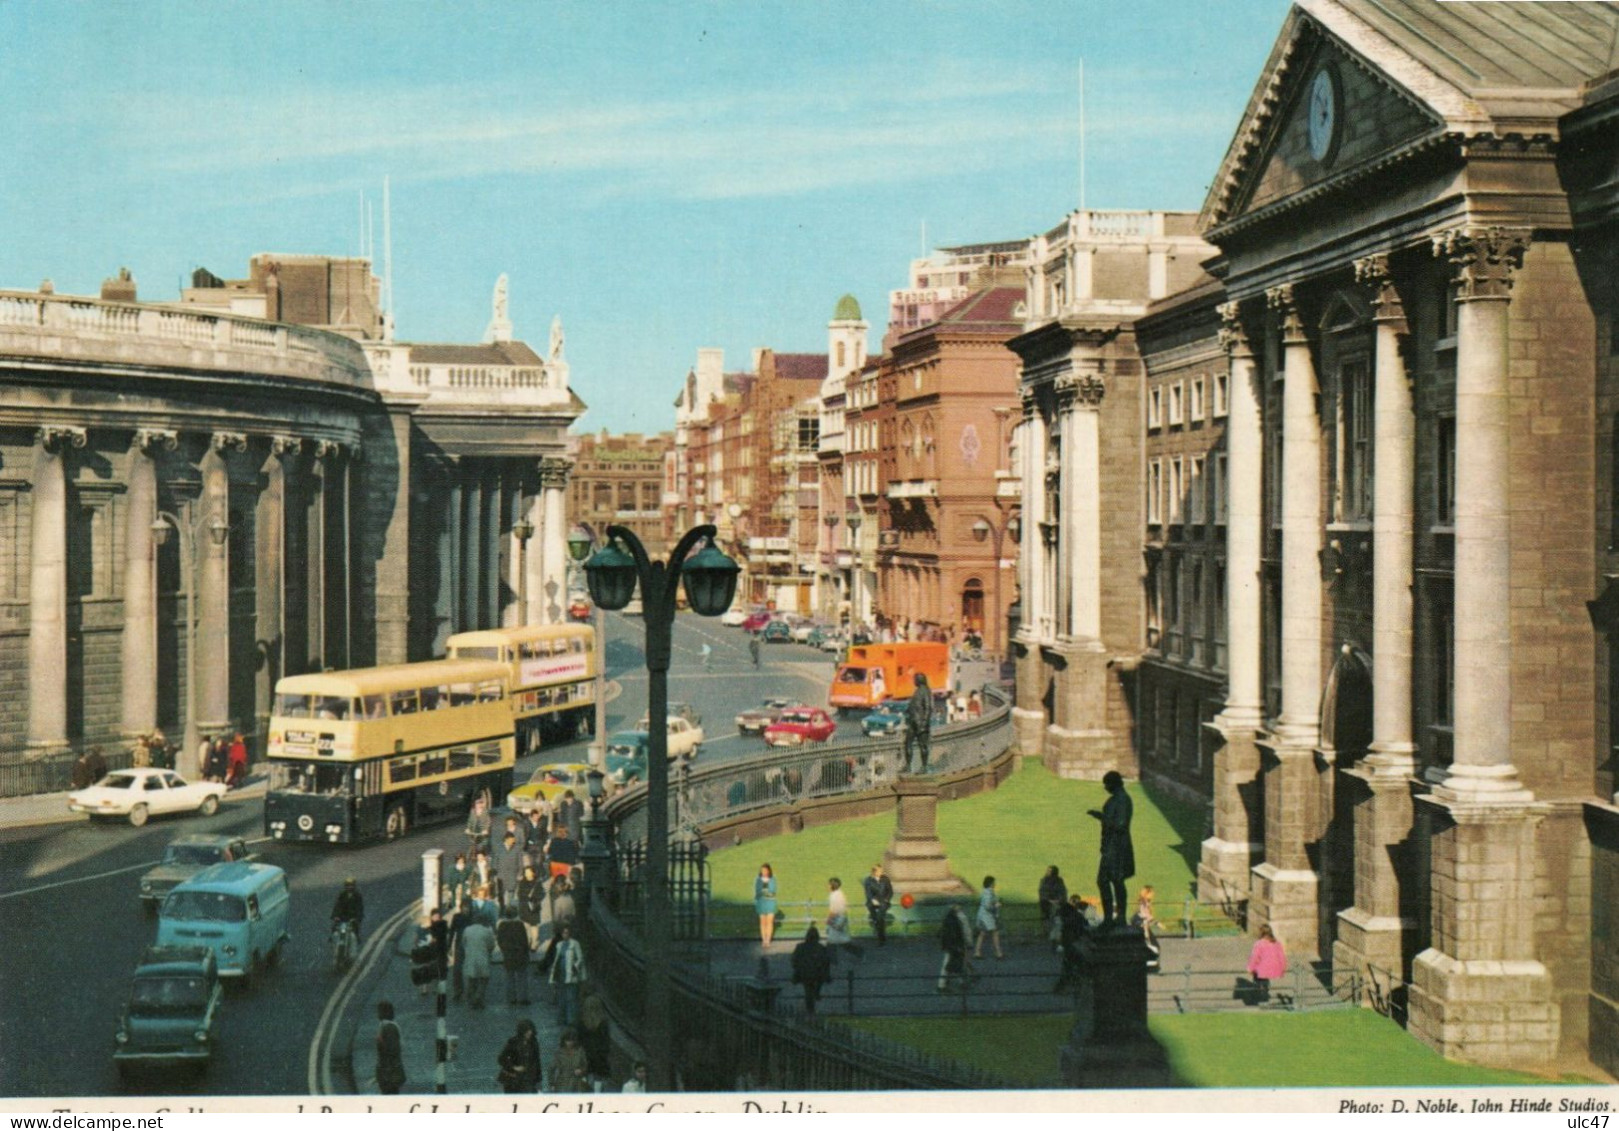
<point x="685" y="738"/>
<point x="142" y="793"/>
<point x="734" y="617"/>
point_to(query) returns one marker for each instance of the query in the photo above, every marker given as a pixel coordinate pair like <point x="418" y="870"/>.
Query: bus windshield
<point x="294" y="706"/>
<point x="212" y="905"/>
<point x="300" y="777"/>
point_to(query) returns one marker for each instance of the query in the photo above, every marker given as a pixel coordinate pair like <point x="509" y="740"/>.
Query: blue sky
<point x="663" y="176"/>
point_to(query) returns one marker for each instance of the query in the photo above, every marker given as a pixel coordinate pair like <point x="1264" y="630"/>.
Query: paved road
<point x="72" y="928"/>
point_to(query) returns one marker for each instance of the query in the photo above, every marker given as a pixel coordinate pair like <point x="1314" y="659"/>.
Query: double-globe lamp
<point x="613" y="572"/>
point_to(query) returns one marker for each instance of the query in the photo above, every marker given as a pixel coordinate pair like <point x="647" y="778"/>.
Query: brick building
<point x="619" y="481"/>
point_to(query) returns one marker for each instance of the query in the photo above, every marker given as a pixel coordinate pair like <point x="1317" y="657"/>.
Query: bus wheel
<point x="398" y="822"/>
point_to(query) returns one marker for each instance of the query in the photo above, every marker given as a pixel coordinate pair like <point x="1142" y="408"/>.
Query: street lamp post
<point x="218" y="530"/>
<point x="710" y="577"/>
<point x="829" y="602"/>
<point x="983" y="529"/>
<point x="855" y="618"/>
<point x="580" y="540"/>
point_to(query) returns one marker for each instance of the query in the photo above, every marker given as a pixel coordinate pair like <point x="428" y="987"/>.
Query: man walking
<point x="568" y="975"/>
<point x="512" y="938"/>
<point x="953" y="937"/>
<point x="879" y="894"/>
<point x="753" y="649"/>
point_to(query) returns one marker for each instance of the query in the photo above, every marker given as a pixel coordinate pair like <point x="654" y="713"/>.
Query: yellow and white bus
<point x="357" y="755"/>
<point x="551" y="669"/>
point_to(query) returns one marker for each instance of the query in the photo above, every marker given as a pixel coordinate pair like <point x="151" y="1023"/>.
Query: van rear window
<point x="210" y="905"/>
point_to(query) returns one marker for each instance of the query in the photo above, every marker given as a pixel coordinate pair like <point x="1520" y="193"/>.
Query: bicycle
<point x="344" y="945"/>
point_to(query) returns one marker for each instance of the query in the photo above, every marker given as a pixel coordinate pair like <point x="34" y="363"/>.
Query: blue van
<point x="238" y="910"/>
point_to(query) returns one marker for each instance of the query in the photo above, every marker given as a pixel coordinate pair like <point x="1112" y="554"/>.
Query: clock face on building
<point x="1323" y="112"/>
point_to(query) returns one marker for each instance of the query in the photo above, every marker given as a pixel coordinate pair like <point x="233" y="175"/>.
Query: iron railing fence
<point x="730" y="1038"/>
<point x="704" y="793"/>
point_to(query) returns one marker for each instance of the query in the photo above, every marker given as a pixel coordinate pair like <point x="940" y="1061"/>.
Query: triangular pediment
<point x="1276" y="155"/>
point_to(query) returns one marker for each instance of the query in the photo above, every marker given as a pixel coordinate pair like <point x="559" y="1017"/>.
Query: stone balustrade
<point x="88" y="330"/>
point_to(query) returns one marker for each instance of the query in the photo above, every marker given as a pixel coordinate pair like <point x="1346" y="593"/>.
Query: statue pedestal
<point x="1110" y="1046"/>
<point x="915" y="860"/>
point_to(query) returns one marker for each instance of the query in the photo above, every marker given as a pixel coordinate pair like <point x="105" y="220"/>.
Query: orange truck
<point x="874" y="673"/>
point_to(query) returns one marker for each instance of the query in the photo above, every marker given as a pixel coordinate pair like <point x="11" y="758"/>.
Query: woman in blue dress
<point x="764" y="902"/>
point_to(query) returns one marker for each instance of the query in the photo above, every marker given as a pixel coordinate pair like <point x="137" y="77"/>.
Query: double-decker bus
<point x="551" y="669"/>
<point x="357" y="755"/>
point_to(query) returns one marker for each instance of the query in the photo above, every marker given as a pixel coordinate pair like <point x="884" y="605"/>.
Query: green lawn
<point x="1327" y="1048"/>
<point x="1013" y="833"/>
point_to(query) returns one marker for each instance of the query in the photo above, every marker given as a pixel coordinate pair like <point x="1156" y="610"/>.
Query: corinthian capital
<point x="146" y="438"/>
<point x="284" y="446"/>
<point x="1483" y="259"/>
<point x="1031" y="402"/>
<point x="60" y="437"/>
<point x="554" y="473"/>
<point x="1080" y="389"/>
<point x="1280" y="299"/>
<point x="225" y="441"/>
<point x="1373" y="271"/>
<point x="1233" y="337"/>
<point x="328" y="449"/>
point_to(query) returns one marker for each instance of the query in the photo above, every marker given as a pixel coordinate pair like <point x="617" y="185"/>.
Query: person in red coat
<point x="237" y="772"/>
<point x="1267" y="961"/>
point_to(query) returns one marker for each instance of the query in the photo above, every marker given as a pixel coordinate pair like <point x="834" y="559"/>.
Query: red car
<point x="579" y="609"/>
<point x="756" y="621"/>
<point x="798" y="725"/>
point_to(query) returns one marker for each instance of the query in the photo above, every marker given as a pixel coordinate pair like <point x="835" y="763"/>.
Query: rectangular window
<point x="1172" y="605"/>
<point x="1155" y="491"/>
<point x="1194" y="407"/>
<point x="1154" y="607"/>
<point x="1177" y="488"/>
<point x="1222" y="388"/>
<point x="1217" y="619"/>
<point x="1445" y="472"/>
<point x="1220" y="491"/>
<point x="1194" y="611"/>
<point x="1155" y="408"/>
<point x="1199" y="502"/>
<point x="1175" y="404"/>
<point x="1354" y="450"/>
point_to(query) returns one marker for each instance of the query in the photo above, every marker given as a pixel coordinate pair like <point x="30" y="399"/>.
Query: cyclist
<point x="349" y="908"/>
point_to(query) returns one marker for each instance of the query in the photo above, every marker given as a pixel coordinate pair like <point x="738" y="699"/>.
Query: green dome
<point x="848" y="310"/>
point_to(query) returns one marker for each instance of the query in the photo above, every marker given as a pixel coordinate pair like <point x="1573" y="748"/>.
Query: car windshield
<point x="551" y="775"/>
<point x="200" y="854"/>
<point x="797" y="717"/>
<point x="175" y="993"/>
<point x="212" y="905"/>
<point x="118" y="781"/>
<point x="852" y="675"/>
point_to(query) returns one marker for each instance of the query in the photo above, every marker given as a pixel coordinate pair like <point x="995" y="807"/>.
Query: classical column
<point x="534" y="511"/>
<point x="1074" y="480"/>
<point x="1229" y="855"/>
<point x="554" y="546"/>
<point x="1370" y="933"/>
<point x="1480" y="988"/>
<point x="213" y="589"/>
<point x="1284" y="886"/>
<point x="513" y="506"/>
<point x="393" y="627"/>
<point x="269" y="571"/>
<point x="1028" y="713"/>
<point x="139" y="645"/>
<point x="47" y="592"/>
<point x="317" y="481"/>
<point x="471" y="548"/>
<point x="494" y="533"/>
<point x="1083" y="510"/>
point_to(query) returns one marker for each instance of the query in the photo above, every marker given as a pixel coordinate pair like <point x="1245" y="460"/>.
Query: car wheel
<point x="209" y="806"/>
<point x="250" y="972"/>
<point x="138" y="815"/>
<point x="398" y="822"/>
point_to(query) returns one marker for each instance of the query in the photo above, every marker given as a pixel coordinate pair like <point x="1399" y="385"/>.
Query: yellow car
<point x="551" y="782"/>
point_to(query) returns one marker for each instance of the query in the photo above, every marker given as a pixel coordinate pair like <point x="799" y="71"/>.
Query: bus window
<point x="292" y="706"/>
<point x="435" y="698"/>
<point x="331" y="779"/>
<point x="376" y="707"/>
<point x="402" y="769"/>
<point x="289" y="775"/>
<point x="530" y="649"/>
<point x="463" y="652"/>
<point x="562" y="696"/>
<point x="489" y="691"/>
<point x="462" y="693"/>
<point x="576" y="645"/>
<point x="331" y="707"/>
<point x="404" y="702"/>
<point x="432" y="764"/>
<point x="543" y="696"/>
<point x="460" y="758"/>
<point x="489" y="752"/>
<point x="590" y="644"/>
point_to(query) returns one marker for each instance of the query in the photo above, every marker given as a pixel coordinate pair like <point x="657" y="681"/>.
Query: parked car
<point x="146" y="792"/>
<point x="832" y="641"/>
<point x="627" y="753"/>
<point x="804" y="629"/>
<point x="172" y="1012"/>
<point x="886" y="719"/>
<point x="185" y="857"/>
<point x="756" y="620"/>
<point x="550" y="781"/>
<point x="676" y="711"/>
<point x="798" y="725"/>
<point x="755" y="719"/>
<point x="734" y="618"/>
<point x="776" y="632"/>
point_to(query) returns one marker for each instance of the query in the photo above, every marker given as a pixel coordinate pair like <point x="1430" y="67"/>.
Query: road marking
<point x="79" y="880"/>
<point x="320" y="1061"/>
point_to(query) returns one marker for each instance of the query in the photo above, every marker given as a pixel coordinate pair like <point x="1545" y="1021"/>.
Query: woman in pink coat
<point x="1267" y="961"/>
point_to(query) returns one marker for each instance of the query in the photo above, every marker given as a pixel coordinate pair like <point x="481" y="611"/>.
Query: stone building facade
<point x="619" y="481"/>
<point x="301" y="474"/>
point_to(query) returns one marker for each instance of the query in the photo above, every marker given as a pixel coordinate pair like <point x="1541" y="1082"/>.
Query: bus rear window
<point x="404" y="702"/>
<point x="466" y="652"/>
